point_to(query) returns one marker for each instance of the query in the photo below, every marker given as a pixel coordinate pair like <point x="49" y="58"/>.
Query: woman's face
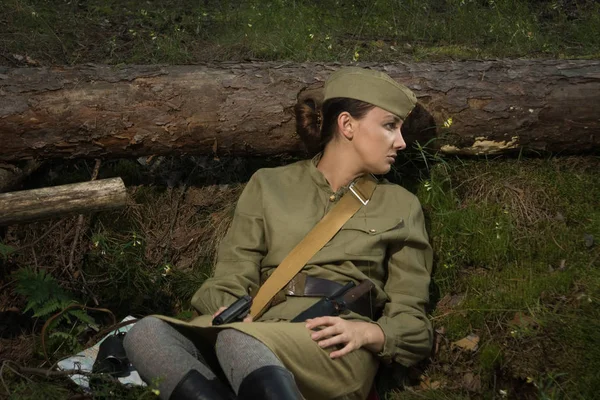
<point x="377" y="139"/>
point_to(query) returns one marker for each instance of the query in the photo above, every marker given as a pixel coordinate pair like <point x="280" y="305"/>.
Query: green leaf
<point x="6" y="250"/>
<point x="82" y="316"/>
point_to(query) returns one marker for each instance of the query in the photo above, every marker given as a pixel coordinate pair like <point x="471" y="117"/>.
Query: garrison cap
<point x="373" y="87"/>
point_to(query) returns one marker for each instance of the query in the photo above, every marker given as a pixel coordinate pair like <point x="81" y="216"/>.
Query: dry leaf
<point x="427" y="384"/>
<point x="523" y="321"/>
<point x="31" y="61"/>
<point x="438" y="338"/>
<point x="471" y="382"/>
<point x="448" y="302"/>
<point x="470" y="342"/>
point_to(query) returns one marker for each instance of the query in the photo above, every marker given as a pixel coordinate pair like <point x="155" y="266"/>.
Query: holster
<point x="303" y="285"/>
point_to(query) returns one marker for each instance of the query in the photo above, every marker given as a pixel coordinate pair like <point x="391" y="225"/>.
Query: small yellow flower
<point x="356" y="56"/>
<point x="448" y="123"/>
<point x="249" y="25"/>
<point x="312" y="36"/>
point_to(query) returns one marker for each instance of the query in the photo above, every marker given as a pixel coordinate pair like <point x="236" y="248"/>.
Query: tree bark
<point x="28" y="205"/>
<point x="472" y="107"/>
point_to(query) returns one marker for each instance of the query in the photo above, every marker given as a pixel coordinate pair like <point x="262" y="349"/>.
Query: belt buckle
<point x="357" y="194"/>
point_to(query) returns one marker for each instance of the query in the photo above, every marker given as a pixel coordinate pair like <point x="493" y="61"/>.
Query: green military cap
<point x="373" y="87"/>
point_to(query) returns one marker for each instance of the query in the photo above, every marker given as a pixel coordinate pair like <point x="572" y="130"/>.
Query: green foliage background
<point x="191" y="31"/>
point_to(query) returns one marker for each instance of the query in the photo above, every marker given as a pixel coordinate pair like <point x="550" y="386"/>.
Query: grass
<point x="186" y="31"/>
<point x="509" y="242"/>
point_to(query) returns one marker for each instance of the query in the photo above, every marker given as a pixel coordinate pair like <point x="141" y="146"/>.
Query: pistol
<point x="235" y="312"/>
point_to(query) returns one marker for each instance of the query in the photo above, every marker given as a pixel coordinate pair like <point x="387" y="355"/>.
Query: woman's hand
<point x="247" y="318"/>
<point x="351" y="334"/>
<point x="219" y="311"/>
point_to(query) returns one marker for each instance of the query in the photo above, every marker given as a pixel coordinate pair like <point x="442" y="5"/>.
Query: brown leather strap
<point x="359" y="194"/>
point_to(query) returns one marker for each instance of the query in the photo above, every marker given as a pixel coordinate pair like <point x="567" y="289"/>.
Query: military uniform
<point x="385" y="241"/>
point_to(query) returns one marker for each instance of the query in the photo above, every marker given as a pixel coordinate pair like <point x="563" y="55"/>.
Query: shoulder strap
<point x="359" y="193"/>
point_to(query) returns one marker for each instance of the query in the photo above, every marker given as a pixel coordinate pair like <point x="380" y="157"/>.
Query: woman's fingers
<point x="322" y="321"/>
<point x="334" y="340"/>
<point x="327" y="332"/>
<point x="342" y="352"/>
<point x="219" y="311"/>
<point x="248" y="318"/>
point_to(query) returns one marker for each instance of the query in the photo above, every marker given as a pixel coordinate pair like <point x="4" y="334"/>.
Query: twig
<point x="75" y="240"/>
<point x="35" y="259"/>
<point x="16" y="371"/>
<point x="2" y="378"/>
<point x="113" y="327"/>
<point x="80" y="221"/>
<point x="48" y="373"/>
<point x="474" y="309"/>
<point x="593" y="261"/>
<point x="58" y="314"/>
<point x="36" y="241"/>
<point x="555" y="242"/>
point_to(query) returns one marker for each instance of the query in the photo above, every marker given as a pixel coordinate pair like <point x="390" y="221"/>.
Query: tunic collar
<point x="319" y="179"/>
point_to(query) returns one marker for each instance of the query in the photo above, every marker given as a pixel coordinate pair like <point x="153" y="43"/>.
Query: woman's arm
<point x="237" y="270"/>
<point x="408" y="331"/>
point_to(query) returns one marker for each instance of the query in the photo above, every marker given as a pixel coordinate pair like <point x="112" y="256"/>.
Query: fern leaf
<point x="82" y="316"/>
<point x="48" y="308"/>
<point x="61" y="335"/>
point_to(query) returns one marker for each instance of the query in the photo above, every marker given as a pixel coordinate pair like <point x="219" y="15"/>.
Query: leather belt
<point x="303" y="285"/>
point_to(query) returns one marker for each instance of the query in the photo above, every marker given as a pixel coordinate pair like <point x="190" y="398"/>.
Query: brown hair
<point x="316" y="124"/>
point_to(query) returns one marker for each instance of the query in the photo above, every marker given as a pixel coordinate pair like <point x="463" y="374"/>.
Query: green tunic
<point x="385" y="241"/>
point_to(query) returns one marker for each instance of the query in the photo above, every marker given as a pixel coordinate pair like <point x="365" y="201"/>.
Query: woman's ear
<point x="346" y="125"/>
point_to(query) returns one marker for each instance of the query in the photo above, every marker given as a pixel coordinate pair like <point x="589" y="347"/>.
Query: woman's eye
<point x="390" y="126"/>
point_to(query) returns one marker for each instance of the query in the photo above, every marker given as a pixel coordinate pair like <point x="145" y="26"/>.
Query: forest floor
<point x="517" y="262"/>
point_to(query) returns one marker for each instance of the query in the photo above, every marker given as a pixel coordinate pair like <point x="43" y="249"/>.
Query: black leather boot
<point x="195" y="386"/>
<point x="269" y="383"/>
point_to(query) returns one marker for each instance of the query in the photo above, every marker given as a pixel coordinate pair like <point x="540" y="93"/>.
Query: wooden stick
<point x="29" y="205"/>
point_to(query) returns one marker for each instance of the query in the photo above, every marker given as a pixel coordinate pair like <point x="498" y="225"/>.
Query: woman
<point x="327" y="357"/>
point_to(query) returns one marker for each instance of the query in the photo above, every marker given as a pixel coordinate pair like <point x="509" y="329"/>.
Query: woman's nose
<point x="399" y="143"/>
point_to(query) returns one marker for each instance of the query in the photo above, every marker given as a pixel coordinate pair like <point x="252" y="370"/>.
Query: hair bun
<point x="309" y="120"/>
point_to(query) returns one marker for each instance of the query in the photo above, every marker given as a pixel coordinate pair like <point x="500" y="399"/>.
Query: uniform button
<point x="332" y="197"/>
<point x="372" y="230"/>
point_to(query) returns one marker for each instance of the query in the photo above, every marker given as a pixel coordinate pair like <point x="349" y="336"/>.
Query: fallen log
<point x="76" y="198"/>
<point x="11" y="175"/>
<point x="472" y="107"/>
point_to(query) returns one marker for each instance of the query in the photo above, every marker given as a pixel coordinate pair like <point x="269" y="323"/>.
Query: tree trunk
<point x="472" y="107"/>
<point x="28" y="205"/>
